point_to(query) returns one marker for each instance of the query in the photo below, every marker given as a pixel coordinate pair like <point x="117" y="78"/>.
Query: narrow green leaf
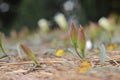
<point x="29" y="53"/>
<point x="73" y="52"/>
<point x="103" y="53"/>
<point x="1" y="46"/>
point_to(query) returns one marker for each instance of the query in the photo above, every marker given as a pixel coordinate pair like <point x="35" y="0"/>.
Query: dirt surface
<point x="66" y="67"/>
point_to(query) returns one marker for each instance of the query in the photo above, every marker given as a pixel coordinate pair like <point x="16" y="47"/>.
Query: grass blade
<point x="103" y="53"/>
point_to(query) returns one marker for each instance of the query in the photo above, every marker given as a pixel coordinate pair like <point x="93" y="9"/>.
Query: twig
<point x="29" y="62"/>
<point x="113" y="52"/>
<point x="113" y="60"/>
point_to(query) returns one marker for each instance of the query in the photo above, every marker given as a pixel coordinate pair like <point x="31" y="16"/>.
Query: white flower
<point x="43" y="24"/>
<point x="61" y="21"/>
<point x="88" y="44"/>
<point x="104" y="22"/>
<point x="69" y="5"/>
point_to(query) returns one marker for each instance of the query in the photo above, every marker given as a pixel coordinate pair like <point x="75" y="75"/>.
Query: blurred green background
<point x="15" y="14"/>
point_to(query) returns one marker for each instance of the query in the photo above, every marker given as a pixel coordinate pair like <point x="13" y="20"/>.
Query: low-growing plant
<point x="103" y="54"/>
<point x="1" y="46"/>
<point x="30" y="54"/>
<point x="108" y="25"/>
<point x="94" y="32"/>
<point x="78" y="40"/>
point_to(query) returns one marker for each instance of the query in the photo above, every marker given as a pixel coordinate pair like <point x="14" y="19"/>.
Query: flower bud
<point x="105" y="23"/>
<point x="73" y="34"/>
<point x="61" y="21"/>
<point x="44" y="25"/>
<point x="29" y="53"/>
<point x="81" y="40"/>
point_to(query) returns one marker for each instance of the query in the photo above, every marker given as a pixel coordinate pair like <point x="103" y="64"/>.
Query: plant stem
<point x="37" y="64"/>
<point x="5" y="54"/>
<point x="83" y="54"/>
<point x="110" y="36"/>
<point x="75" y="47"/>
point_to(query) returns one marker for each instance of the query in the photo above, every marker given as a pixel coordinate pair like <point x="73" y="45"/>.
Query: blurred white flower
<point x="69" y="5"/>
<point x="88" y="44"/>
<point x="61" y="21"/>
<point x="43" y="24"/>
<point x="104" y="22"/>
<point x="4" y="7"/>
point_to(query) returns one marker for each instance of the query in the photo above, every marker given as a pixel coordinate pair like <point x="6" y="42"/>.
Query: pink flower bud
<point x="73" y="34"/>
<point x="81" y="40"/>
<point x="29" y="53"/>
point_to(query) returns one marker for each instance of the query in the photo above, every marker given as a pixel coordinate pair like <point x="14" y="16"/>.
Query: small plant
<point x="1" y="46"/>
<point x="94" y="32"/>
<point x="29" y="53"/>
<point x="78" y="40"/>
<point x="103" y="54"/>
<point x="108" y="25"/>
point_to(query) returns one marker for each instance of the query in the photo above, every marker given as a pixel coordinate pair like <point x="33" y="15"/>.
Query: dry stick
<point x="29" y="62"/>
<point x="114" y="61"/>
<point x="113" y="52"/>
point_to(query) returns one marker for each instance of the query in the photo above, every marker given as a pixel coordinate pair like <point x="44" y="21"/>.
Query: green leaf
<point x="103" y="53"/>
<point x="30" y="54"/>
<point x="73" y="52"/>
<point x="1" y="46"/>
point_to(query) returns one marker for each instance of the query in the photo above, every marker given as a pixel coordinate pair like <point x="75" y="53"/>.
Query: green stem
<point x="110" y="36"/>
<point x="75" y="47"/>
<point x="37" y="64"/>
<point x="83" y="54"/>
<point x="5" y="54"/>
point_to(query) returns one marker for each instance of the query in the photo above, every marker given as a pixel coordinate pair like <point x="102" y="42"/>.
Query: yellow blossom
<point x="59" y="53"/>
<point x="111" y="46"/>
<point x="84" y="67"/>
